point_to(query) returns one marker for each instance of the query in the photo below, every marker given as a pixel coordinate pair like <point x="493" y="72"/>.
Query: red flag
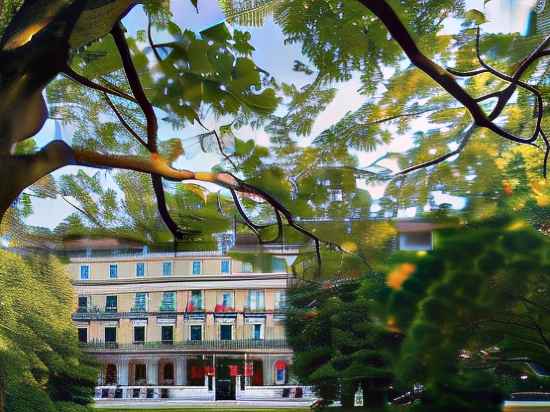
<point x="280" y="364"/>
<point x="249" y="369"/>
<point x="234" y="370"/>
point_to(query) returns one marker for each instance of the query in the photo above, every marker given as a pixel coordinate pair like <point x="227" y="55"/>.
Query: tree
<point x="39" y="351"/>
<point x="338" y="347"/>
<point x="473" y="306"/>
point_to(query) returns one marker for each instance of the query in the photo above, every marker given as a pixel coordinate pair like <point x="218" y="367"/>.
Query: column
<point x="181" y="371"/>
<point x="152" y="371"/>
<point x="267" y="365"/>
<point x="122" y="372"/>
<point x="101" y="375"/>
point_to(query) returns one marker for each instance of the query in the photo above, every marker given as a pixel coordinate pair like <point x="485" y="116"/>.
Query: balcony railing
<point x="254" y="309"/>
<point x="238" y="344"/>
<point x="138" y="313"/>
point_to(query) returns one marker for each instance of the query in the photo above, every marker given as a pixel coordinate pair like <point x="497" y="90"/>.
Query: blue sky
<point x="277" y="58"/>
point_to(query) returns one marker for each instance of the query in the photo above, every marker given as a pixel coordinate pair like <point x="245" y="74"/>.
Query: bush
<point x="26" y="397"/>
<point x="71" y="407"/>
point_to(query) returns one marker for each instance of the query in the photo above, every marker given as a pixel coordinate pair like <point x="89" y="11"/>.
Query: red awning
<point x="280" y="364"/>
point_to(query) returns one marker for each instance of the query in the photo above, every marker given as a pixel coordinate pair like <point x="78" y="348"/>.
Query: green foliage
<point x="39" y="351"/>
<point x="338" y="347"/>
<point x="480" y="295"/>
<point x="25" y="397"/>
<point x="71" y="407"/>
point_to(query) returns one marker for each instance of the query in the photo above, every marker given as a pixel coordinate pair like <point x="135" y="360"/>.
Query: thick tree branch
<point x="137" y="88"/>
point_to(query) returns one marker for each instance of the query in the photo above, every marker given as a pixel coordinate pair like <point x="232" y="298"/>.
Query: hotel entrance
<point x="227" y="370"/>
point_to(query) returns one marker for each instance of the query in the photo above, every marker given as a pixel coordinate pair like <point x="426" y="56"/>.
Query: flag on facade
<point x="233" y="370"/>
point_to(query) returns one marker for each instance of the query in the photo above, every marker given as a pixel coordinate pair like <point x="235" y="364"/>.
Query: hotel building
<point x="185" y="325"/>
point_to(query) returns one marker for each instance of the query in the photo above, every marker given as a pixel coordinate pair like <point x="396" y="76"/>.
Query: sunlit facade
<point x="186" y="325"/>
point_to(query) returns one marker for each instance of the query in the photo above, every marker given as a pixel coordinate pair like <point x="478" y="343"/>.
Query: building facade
<point x="185" y="325"/>
<point x="191" y="325"/>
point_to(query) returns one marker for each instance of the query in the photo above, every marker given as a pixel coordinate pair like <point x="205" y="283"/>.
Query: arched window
<point x="110" y="374"/>
<point x="168" y="372"/>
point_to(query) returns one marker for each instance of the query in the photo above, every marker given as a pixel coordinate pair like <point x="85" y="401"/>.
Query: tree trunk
<point x="347" y="394"/>
<point x="374" y="397"/>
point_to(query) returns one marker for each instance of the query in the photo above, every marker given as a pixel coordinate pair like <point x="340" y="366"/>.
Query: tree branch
<point x="71" y="74"/>
<point x="440" y="75"/>
<point x="123" y="121"/>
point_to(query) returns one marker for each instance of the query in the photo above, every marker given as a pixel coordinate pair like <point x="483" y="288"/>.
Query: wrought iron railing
<point x="216" y="344"/>
<point x="101" y="314"/>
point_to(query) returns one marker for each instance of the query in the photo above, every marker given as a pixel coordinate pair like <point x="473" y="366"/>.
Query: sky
<point x="277" y="58"/>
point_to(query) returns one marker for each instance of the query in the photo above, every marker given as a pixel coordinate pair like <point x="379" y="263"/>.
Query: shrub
<point x="71" y="407"/>
<point x="26" y="397"/>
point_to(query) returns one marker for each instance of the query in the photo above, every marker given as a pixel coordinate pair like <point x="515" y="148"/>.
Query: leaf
<point x="475" y="16"/>
<point x="218" y="33"/>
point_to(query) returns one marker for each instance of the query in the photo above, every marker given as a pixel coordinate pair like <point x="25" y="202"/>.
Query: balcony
<point x="243" y="339"/>
<point x="95" y="313"/>
<point x="255" y="309"/>
<point x="213" y="345"/>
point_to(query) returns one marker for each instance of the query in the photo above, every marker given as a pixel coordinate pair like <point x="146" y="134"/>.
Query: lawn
<point x="225" y="408"/>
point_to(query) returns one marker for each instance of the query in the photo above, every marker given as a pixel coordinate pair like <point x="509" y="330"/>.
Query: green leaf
<point x="475" y="16"/>
<point x="218" y="33"/>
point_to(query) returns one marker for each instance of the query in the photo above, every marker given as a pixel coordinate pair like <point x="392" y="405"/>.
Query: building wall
<point x="211" y="282"/>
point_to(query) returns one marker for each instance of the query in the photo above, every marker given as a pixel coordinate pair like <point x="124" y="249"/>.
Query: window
<point x="278" y="265"/>
<point x="84" y="272"/>
<point x="82" y="304"/>
<point x="140" y="302"/>
<point x="195" y="332"/>
<point x="415" y="241"/>
<point x="280" y="300"/>
<point x="166" y="268"/>
<point x="257" y="331"/>
<point x="168" y="372"/>
<point x="168" y="303"/>
<point x="247" y="267"/>
<point x="225" y="266"/>
<point x="111" y="304"/>
<point x="110" y="374"/>
<point x="225" y="332"/>
<point x="167" y="334"/>
<point x="225" y="299"/>
<point x="256" y="300"/>
<point x="82" y="335"/>
<point x="196" y="267"/>
<point x="196" y="299"/>
<point x="140" y="270"/>
<point x="140" y="374"/>
<point x="139" y="334"/>
<point x="113" y="271"/>
<point x="110" y="335"/>
<point x="336" y="195"/>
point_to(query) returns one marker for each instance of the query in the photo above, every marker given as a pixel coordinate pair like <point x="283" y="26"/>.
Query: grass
<point x="220" y="408"/>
